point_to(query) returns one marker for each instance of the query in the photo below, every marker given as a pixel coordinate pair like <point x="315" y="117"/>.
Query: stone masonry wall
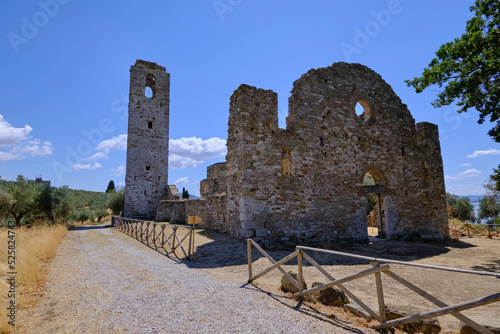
<point x="146" y="180"/>
<point x="211" y="209"/>
<point x="215" y="183"/>
<point x="305" y="182"/>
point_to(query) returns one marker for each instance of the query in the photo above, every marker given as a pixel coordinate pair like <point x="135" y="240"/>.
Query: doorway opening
<point x="375" y="206"/>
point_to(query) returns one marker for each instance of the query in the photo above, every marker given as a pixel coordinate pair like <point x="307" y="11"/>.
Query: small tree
<point x="84" y="215"/>
<point x="183" y="192"/>
<point x="100" y="213"/>
<point x="111" y="187"/>
<point x="116" y="202"/>
<point x="187" y="194"/>
<point x="62" y="204"/>
<point x="45" y="203"/>
<point x="489" y="208"/>
<point x="451" y="199"/>
<point x="464" y="209"/>
<point x="20" y="198"/>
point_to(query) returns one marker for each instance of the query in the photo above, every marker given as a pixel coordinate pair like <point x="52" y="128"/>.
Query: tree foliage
<point x="469" y="67"/>
<point x="464" y="210"/>
<point x="185" y="193"/>
<point x="19" y="198"/>
<point x="489" y="208"/>
<point x="451" y="199"/>
<point x="28" y="202"/>
<point x="116" y="202"/>
<point x="111" y="187"/>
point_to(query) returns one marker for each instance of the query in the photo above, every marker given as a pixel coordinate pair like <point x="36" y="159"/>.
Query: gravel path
<point x="103" y="281"/>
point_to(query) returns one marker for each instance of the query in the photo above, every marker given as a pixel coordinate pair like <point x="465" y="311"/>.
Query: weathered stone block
<point x="287" y="285"/>
<point x="261" y="232"/>
<point x="426" y="326"/>
<point x="330" y="296"/>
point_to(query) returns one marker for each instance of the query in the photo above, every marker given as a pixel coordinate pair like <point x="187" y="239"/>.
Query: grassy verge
<point x="34" y="248"/>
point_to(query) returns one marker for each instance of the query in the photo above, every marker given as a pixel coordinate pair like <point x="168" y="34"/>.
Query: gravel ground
<point x="103" y="281"/>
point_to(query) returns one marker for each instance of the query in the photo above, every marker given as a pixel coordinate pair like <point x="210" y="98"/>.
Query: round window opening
<point x="363" y="110"/>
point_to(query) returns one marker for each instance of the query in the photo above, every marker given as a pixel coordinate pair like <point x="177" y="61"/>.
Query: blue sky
<point x="65" y="64"/>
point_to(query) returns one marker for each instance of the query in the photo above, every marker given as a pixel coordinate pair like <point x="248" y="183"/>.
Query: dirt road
<point x="103" y="281"/>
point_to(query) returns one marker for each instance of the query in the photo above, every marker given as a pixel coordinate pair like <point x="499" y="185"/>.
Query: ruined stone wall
<point x="305" y="182"/>
<point x="211" y="209"/>
<point x="215" y="183"/>
<point x="146" y="180"/>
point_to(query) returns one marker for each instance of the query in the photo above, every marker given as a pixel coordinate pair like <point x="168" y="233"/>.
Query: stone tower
<point x="146" y="180"/>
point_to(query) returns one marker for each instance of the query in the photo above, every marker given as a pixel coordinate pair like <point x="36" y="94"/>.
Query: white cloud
<point x="35" y="148"/>
<point x="179" y="162"/>
<point x="119" y="171"/>
<point x="19" y="144"/>
<point x="117" y="143"/>
<point x="470" y="173"/>
<point x="481" y="153"/>
<point x="189" y="152"/>
<point x="182" y="180"/>
<point x="10" y="135"/>
<point x="77" y="167"/>
<point x="463" y="165"/>
<point x="4" y="156"/>
<point x="465" y="174"/>
<point x="184" y="152"/>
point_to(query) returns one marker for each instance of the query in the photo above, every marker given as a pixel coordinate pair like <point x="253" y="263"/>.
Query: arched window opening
<point x="363" y="110"/>
<point x="148" y="92"/>
<point x="150" y="89"/>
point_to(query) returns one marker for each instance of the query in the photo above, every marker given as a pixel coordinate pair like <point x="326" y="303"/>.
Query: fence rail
<point x="487" y="230"/>
<point x="158" y="235"/>
<point x="379" y="266"/>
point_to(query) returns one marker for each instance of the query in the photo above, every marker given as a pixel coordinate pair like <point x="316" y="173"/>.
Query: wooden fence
<point x="379" y="266"/>
<point x="468" y="229"/>
<point x="155" y="234"/>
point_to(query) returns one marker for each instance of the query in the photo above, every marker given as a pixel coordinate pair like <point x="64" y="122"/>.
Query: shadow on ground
<point x="492" y="266"/>
<point x="225" y="251"/>
<point x="90" y="227"/>
<point x="306" y="309"/>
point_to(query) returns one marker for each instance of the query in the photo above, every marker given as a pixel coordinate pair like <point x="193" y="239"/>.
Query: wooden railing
<point x="487" y="230"/>
<point x="155" y="234"/>
<point x="379" y="266"/>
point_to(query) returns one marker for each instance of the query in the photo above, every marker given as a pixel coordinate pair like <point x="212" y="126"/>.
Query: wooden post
<point x="300" y="272"/>
<point x="192" y="242"/>
<point x="174" y="229"/>
<point x="189" y="245"/>
<point x="162" y="235"/>
<point x="192" y="220"/>
<point x="380" y="292"/>
<point x="249" y="255"/>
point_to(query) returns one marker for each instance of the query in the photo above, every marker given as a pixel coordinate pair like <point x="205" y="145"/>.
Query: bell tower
<point x="146" y="180"/>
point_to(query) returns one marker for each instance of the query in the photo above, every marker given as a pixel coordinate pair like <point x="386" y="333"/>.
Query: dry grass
<point x="35" y="247"/>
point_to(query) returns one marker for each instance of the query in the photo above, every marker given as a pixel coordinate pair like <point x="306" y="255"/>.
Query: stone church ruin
<point x="303" y="183"/>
